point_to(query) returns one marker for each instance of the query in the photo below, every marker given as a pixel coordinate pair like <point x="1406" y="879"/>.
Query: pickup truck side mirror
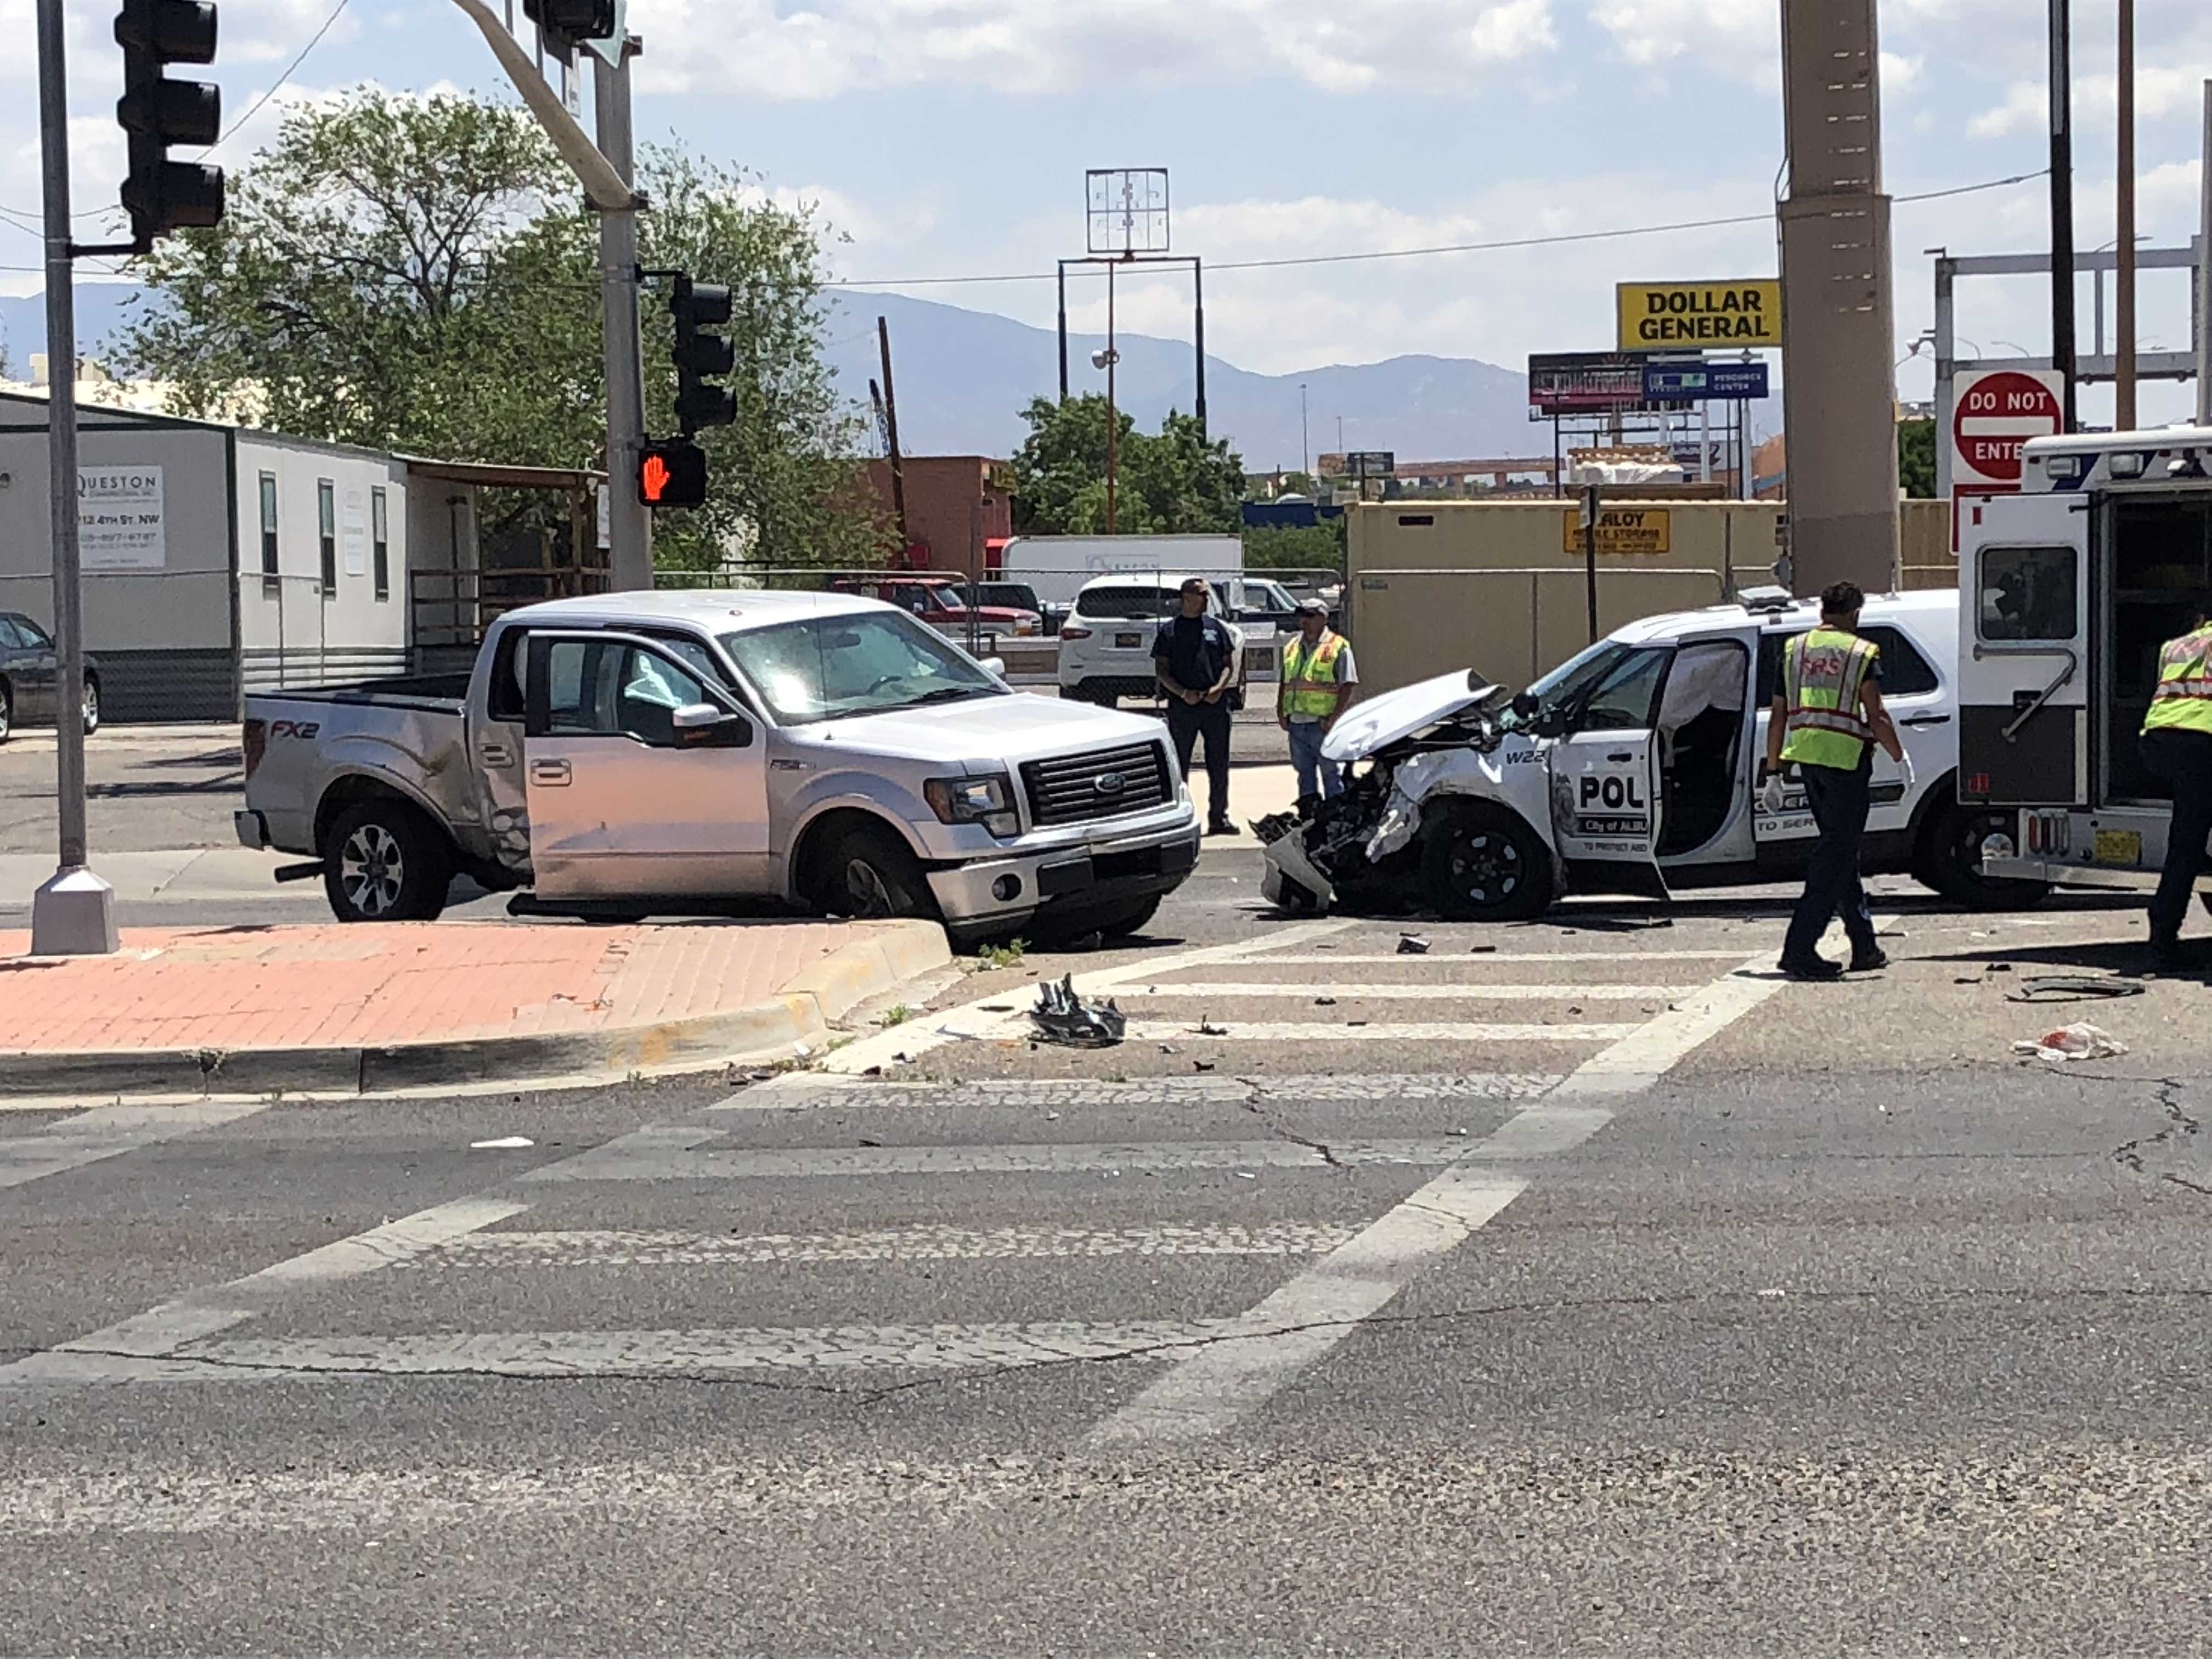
<point x="995" y="667"/>
<point x="702" y="726"/>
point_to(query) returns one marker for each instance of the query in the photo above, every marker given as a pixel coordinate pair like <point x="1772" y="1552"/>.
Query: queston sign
<point x="1691" y="316"/>
<point x="1992" y="415"/>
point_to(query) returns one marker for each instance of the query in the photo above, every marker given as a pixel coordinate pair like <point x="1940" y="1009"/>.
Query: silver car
<point x="30" y="678"/>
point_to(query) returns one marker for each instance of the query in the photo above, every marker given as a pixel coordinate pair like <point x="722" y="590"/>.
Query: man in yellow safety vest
<point x="1826" y="719"/>
<point x="2176" y="746"/>
<point x="1318" y="677"/>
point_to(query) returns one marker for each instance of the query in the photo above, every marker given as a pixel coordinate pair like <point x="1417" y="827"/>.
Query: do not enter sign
<point x="1992" y="415"/>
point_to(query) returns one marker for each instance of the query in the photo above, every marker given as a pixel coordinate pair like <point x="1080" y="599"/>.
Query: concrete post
<point x="1839" y="385"/>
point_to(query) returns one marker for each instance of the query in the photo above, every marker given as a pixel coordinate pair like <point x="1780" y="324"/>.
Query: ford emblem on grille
<point x="1108" y="783"/>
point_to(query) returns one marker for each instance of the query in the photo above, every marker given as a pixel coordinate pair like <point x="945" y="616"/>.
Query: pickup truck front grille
<point x="1102" y="784"/>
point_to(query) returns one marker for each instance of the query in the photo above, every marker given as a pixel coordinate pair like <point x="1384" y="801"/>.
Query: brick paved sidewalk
<point x="237" y="991"/>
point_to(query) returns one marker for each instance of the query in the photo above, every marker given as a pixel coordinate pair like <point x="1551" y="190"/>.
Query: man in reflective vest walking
<point x="2176" y="746"/>
<point x="1318" y="677"/>
<point x="1825" y="721"/>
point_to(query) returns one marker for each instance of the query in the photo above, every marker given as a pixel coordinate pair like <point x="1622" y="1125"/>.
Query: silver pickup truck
<point x="648" y="753"/>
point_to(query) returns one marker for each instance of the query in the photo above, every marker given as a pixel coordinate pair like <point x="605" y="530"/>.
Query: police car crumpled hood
<point x="1378" y="722"/>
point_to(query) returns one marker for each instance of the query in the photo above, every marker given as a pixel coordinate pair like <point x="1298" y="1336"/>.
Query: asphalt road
<point x="1563" y="1289"/>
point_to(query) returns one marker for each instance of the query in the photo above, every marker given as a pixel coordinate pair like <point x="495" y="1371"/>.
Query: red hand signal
<point x="654" y="477"/>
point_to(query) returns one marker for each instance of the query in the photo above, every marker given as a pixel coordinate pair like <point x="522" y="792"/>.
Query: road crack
<point x="2179" y="1126"/>
<point x="1327" y="1156"/>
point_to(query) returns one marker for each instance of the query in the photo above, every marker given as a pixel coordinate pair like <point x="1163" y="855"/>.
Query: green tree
<point x="1320" y="547"/>
<point x="416" y="274"/>
<point x="1175" y="481"/>
<point x="1916" y="458"/>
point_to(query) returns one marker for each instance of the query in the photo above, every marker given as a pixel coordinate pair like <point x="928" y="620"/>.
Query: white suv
<point x="1106" y="643"/>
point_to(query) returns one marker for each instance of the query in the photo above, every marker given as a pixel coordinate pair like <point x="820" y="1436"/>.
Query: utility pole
<point x="2062" y="344"/>
<point x="891" y="439"/>
<point x="2123" y="302"/>
<point x="1113" y="419"/>
<point x="74" y="913"/>
<point x="629" y="520"/>
<point x="2204" y="277"/>
<point x="1306" y="441"/>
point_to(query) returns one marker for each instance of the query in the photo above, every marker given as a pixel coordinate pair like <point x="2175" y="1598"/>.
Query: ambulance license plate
<point x="1127" y="641"/>
<point x="2120" y="849"/>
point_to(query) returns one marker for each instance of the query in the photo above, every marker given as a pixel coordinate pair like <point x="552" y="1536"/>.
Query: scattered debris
<point x="2071" y="1042"/>
<point x="1481" y="950"/>
<point x="1167" y="1048"/>
<point x="1455" y="1132"/>
<point x="1062" y="1017"/>
<point x="1355" y="1022"/>
<point x="1201" y="1066"/>
<point x="1245" y="1175"/>
<point x="1324" y="1002"/>
<point x="995" y="1008"/>
<point x="1411" y="944"/>
<point x="1207" y="1028"/>
<point x="2075" y="988"/>
<point x="866" y="1142"/>
<point x="1998" y="967"/>
<point x="504" y="1144"/>
<point x="873" y="1070"/>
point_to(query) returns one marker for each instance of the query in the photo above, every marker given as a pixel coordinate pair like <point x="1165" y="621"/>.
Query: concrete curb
<point x="801" y="1011"/>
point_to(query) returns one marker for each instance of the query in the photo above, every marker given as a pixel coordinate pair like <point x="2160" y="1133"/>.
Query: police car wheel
<point x="1479" y="864"/>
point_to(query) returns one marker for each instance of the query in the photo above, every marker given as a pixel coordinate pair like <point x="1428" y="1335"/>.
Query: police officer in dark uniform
<point x="1195" y="658"/>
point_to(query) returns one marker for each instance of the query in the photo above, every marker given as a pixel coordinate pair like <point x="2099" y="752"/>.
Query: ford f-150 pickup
<point x="637" y="754"/>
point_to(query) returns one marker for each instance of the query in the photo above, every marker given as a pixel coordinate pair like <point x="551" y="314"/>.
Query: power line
<point x="1502" y="244"/>
<point x="254" y="109"/>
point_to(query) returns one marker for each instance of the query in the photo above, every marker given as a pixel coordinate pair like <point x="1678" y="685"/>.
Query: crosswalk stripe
<point x="107" y="1132"/>
<point x="805" y="1090"/>
<point x="1394" y="1030"/>
<point x="1466" y="991"/>
<point x="618" y="1247"/>
<point x="1213" y="1386"/>
<point x="645" y="1156"/>
<point x="878" y="1348"/>
<point x="1349" y="959"/>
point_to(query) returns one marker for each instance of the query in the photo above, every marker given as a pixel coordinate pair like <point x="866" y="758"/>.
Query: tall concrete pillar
<point x="1839" y="381"/>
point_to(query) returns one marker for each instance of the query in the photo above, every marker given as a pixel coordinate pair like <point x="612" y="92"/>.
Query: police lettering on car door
<point x="1612" y="803"/>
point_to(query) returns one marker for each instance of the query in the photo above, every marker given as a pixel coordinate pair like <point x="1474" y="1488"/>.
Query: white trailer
<point x="1058" y="565"/>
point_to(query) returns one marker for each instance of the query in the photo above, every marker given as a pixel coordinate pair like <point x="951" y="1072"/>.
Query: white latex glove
<point x="1770" y="794"/>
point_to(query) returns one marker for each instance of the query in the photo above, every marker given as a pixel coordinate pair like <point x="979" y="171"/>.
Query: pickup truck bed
<point x="445" y="693"/>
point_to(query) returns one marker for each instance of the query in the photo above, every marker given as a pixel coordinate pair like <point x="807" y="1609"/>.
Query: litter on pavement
<point x="1411" y="944"/>
<point x="2073" y="988"/>
<point x="2071" y="1042"/>
<point x="504" y="1144"/>
<point x="1062" y="1017"/>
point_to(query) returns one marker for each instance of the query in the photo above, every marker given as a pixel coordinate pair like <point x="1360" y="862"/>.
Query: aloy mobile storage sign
<point x="1678" y="316"/>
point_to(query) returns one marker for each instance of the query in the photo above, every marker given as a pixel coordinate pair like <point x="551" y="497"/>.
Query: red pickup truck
<point x="936" y="601"/>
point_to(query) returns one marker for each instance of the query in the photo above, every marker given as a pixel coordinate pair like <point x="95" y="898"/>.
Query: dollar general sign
<point x="1692" y="316"/>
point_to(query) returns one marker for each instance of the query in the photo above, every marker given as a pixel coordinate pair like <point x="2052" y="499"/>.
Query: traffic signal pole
<point x="74" y="913"/>
<point x="630" y="521"/>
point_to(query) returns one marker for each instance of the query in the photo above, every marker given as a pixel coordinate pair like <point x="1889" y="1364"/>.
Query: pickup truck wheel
<point x="1951" y="858"/>
<point x="1479" y="864"/>
<point x="870" y="874"/>
<point x="91" y="706"/>
<point x="382" y="863"/>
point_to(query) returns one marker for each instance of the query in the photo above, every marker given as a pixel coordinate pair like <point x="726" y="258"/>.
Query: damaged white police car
<point x="1632" y="768"/>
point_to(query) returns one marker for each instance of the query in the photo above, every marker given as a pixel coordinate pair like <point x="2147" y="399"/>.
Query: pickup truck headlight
<point x="989" y="801"/>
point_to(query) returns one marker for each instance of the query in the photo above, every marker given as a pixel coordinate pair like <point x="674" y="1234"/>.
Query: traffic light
<point x="567" y="24"/>
<point x="673" y="472"/>
<point x="697" y="307"/>
<point x="162" y="195"/>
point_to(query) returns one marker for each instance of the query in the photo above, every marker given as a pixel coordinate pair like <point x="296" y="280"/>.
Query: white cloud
<point x="1733" y="34"/>
<point x="1035" y="46"/>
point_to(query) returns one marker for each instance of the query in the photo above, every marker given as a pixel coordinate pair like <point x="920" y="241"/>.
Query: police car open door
<point x="1605" y="777"/>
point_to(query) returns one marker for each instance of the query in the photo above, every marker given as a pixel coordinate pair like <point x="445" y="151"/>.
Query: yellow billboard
<point x="1620" y="530"/>
<point x="1699" y="316"/>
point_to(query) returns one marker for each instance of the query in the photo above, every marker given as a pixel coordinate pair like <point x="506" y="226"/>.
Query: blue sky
<point x="949" y="137"/>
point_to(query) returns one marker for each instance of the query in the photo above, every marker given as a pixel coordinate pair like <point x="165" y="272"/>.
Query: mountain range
<point x="964" y="377"/>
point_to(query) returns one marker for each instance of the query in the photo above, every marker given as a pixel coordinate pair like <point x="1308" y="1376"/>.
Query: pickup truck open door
<point x="643" y="778"/>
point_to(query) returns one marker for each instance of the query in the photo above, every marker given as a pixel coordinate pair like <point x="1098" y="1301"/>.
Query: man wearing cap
<point x="1317" y="681"/>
